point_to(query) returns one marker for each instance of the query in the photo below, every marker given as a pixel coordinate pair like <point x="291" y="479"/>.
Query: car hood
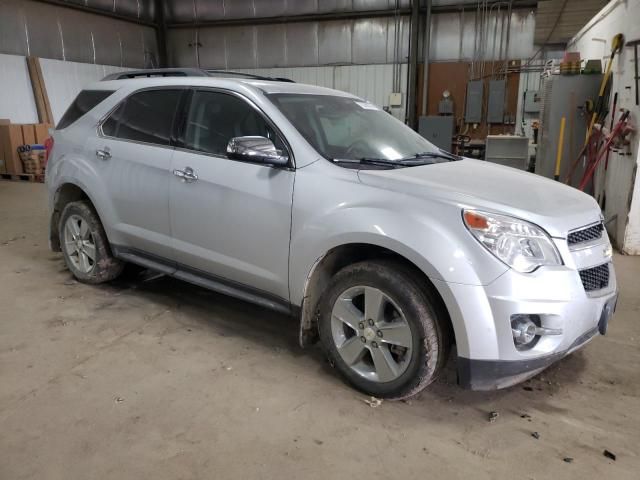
<point x="469" y="183"/>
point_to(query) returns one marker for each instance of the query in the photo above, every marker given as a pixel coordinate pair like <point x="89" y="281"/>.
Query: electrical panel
<point x="473" y="107"/>
<point x="495" y="109"/>
<point x="532" y="101"/>
<point x="438" y="129"/>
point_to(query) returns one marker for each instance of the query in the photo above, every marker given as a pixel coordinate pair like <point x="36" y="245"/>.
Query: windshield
<point x="343" y="128"/>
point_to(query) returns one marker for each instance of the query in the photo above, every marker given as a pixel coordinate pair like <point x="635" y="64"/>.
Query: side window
<point x="144" y="117"/>
<point x="215" y="118"/>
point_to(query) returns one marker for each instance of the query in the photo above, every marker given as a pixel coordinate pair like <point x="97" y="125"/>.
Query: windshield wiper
<point x="416" y="159"/>
<point x="378" y="162"/>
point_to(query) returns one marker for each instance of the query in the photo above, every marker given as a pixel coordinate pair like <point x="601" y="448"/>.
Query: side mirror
<point x="255" y="150"/>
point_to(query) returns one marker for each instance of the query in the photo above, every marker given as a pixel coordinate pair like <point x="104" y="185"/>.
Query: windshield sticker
<point x="368" y="106"/>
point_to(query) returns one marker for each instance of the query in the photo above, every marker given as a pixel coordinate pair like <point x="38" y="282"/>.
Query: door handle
<point x="104" y="154"/>
<point x="187" y="174"/>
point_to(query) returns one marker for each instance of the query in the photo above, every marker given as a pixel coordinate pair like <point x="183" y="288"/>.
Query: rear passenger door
<point x="133" y="153"/>
<point x="232" y="222"/>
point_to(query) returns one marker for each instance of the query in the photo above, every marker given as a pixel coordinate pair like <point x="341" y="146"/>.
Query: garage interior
<point x="149" y="377"/>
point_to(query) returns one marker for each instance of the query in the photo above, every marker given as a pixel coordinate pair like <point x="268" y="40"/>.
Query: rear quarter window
<point x="85" y="101"/>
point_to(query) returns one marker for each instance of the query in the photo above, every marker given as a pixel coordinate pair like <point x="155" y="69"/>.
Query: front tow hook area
<point x="608" y="310"/>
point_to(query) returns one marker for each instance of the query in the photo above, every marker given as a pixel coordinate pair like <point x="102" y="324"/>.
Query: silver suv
<point x="319" y="204"/>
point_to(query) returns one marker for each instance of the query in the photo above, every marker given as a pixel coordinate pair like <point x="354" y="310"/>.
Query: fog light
<point x="524" y="329"/>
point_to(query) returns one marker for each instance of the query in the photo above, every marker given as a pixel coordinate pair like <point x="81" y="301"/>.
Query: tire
<point x="409" y="362"/>
<point x="85" y="246"/>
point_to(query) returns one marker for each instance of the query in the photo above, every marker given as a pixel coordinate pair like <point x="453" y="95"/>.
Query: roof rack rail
<point x="188" y="72"/>
<point x="157" y="72"/>
<point x="231" y="73"/>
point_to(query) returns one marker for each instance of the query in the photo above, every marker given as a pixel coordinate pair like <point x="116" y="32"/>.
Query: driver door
<point x="232" y="221"/>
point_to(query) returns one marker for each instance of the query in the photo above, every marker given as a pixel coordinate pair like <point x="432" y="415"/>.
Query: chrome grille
<point x="586" y="234"/>
<point x="595" y="278"/>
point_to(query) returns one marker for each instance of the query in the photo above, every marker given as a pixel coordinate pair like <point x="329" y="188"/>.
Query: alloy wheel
<point x="79" y="244"/>
<point x="371" y="334"/>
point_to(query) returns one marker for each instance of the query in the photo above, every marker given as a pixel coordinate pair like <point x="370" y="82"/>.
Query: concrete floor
<point x="163" y="380"/>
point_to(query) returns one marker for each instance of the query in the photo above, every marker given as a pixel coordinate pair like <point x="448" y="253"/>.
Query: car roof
<point x="266" y="86"/>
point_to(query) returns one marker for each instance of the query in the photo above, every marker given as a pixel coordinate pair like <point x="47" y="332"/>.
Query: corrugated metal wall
<point x="454" y="35"/>
<point x="355" y="55"/>
<point x="139" y="9"/>
<point x="183" y="11"/>
<point x="49" y="31"/>
<point x="362" y="41"/>
<point x="343" y="42"/>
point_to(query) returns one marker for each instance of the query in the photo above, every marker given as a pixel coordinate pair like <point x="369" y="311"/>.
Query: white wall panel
<point x="16" y="96"/>
<point x="64" y="80"/>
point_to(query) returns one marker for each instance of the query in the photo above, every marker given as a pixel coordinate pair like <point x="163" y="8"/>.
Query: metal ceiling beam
<point x="98" y="11"/>
<point x="517" y="5"/>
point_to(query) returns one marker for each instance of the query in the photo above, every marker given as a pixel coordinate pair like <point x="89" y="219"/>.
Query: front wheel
<point x="382" y="329"/>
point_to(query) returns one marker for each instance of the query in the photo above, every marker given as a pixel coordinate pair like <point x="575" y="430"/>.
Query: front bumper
<point x="497" y="374"/>
<point x="481" y="317"/>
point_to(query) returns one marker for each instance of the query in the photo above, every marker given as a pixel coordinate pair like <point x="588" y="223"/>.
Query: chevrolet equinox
<point x="321" y="205"/>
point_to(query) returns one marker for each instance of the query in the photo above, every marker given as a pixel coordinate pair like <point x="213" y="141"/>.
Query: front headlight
<point x="521" y="245"/>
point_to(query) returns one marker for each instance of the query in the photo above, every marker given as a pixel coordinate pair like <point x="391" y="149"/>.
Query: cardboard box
<point x="10" y="139"/>
<point x="12" y="136"/>
<point x="28" y="134"/>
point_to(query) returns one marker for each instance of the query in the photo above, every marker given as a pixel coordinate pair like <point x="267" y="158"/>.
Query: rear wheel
<point x="85" y="246"/>
<point x="382" y="329"/>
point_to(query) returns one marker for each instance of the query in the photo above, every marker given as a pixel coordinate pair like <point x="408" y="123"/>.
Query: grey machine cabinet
<point x="508" y="150"/>
<point x="438" y="130"/>
<point x="564" y="96"/>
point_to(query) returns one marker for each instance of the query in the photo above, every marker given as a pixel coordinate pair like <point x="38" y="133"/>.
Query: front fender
<point x="434" y="252"/>
<point x="332" y="208"/>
